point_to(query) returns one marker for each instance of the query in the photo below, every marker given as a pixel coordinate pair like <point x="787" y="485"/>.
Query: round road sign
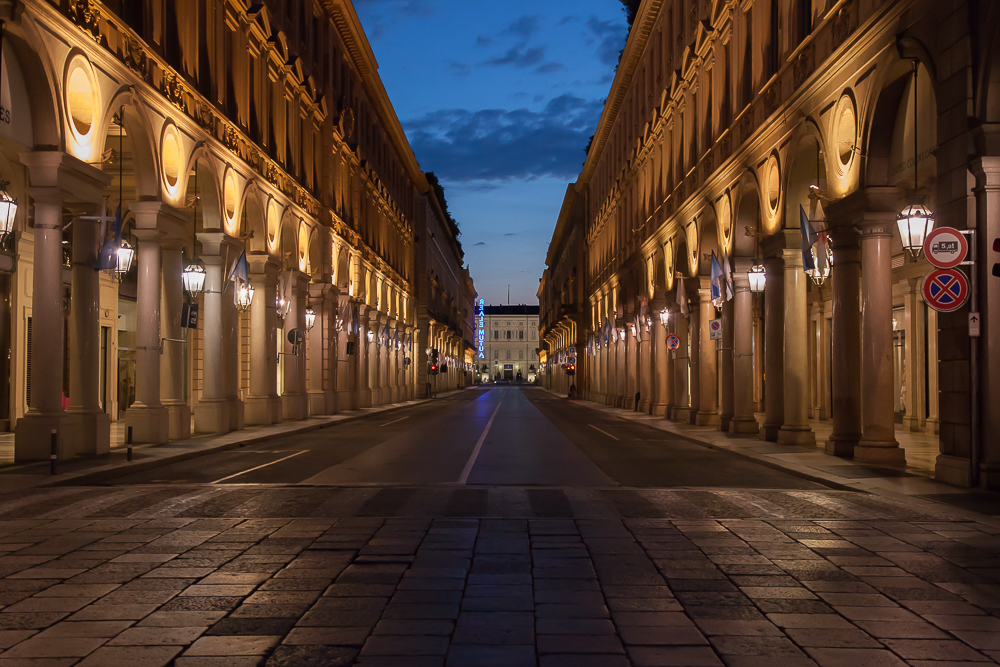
<point x="673" y="342"/>
<point x="716" y="325"/>
<point x="945" y="290"/>
<point x="945" y="247"/>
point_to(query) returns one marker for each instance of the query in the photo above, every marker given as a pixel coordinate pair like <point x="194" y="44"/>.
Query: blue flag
<point x="809" y="239"/>
<point x="107" y="259"/>
<point x="240" y="271"/>
<point x="716" y="278"/>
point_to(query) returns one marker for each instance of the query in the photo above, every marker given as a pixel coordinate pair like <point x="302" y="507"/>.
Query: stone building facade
<point x="727" y="121"/>
<point x="217" y="127"/>
<point x="512" y="345"/>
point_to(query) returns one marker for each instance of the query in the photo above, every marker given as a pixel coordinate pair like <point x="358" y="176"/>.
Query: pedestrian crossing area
<point x="163" y="501"/>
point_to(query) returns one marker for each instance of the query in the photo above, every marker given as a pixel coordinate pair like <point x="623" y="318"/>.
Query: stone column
<point x="631" y="369"/>
<point x="231" y="342"/>
<point x="319" y="351"/>
<point x="645" y="368"/>
<point x="363" y="391"/>
<point x="147" y="416"/>
<point x="393" y="363"/>
<point x="694" y="359"/>
<point x="708" y="360"/>
<point x="660" y="369"/>
<point x="346" y="363"/>
<point x="845" y="338"/>
<point x="680" y="360"/>
<point x="823" y="360"/>
<point x="878" y="437"/>
<point x="774" y="317"/>
<point x="211" y="413"/>
<point x="294" y="398"/>
<point x="727" y="364"/>
<point x="743" y="421"/>
<point x="796" y="429"/>
<point x="933" y="422"/>
<point x="263" y="404"/>
<point x="913" y="327"/>
<point x="172" y="360"/>
<point x="90" y="427"/>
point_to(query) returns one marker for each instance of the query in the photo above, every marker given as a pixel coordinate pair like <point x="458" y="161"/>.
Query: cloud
<point x="510" y="234"/>
<point x="518" y="56"/>
<point x="611" y="36"/>
<point x="550" y="68"/>
<point x="483" y="40"/>
<point x="381" y="14"/>
<point x="478" y="244"/>
<point x="459" y="68"/>
<point x="463" y="146"/>
<point x="523" y="27"/>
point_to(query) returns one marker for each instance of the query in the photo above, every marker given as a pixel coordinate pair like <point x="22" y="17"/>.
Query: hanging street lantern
<point x="371" y="335"/>
<point x="193" y="278"/>
<point x="244" y="296"/>
<point x="8" y="210"/>
<point x="915" y="222"/>
<point x="310" y="318"/>
<point x="665" y="316"/>
<point x="124" y="257"/>
<point x="757" y="277"/>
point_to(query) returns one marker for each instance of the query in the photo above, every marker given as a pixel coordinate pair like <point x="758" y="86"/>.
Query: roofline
<point x="562" y="223"/>
<point x="638" y="38"/>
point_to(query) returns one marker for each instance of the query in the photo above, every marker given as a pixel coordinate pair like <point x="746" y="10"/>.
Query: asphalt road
<point x="490" y="436"/>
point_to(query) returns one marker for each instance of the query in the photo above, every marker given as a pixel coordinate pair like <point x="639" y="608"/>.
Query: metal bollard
<point x="128" y="441"/>
<point x="54" y="453"/>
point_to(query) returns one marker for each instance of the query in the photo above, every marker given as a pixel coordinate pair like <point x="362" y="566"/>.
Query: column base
<point x="884" y="453"/>
<point x="724" y="421"/>
<point x="322" y="403"/>
<point x="989" y="476"/>
<point x="596" y="397"/>
<point x="394" y="394"/>
<point x="769" y="432"/>
<point x="179" y="419"/>
<point x="33" y="437"/>
<point x="912" y="424"/>
<point x="89" y="433"/>
<point x="744" y="426"/>
<point x="932" y="426"/>
<point x="149" y="425"/>
<point x="212" y="416"/>
<point x="659" y="409"/>
<point x="295" y="407"/>
<point x="262" y="410"/>
<point x="365" y="396"/>
<point x="682" y="415"/>
<point x="706" y="418"/>
<point x="644" y="407"/>
<point x="841" y="445"/>
<point x="796" y="436"/>
<point x="345" y="401"/>
<point x="952" y="470"/>
<point x="628" y="404"/>
<point x="237" y="416"/>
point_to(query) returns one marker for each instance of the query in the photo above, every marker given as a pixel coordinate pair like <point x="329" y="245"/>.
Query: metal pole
<point x="128" y="442"/>
<point x="974" y="375"/>
<point x="54" y="453"/>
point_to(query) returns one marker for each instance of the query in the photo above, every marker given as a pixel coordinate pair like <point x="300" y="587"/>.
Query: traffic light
<point x="433" y="369"/>
<point x="570" y="369"/>
<point x="996" y="265"/>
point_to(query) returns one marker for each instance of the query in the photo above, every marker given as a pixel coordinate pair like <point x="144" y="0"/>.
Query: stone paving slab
<point x="823" y="578"/>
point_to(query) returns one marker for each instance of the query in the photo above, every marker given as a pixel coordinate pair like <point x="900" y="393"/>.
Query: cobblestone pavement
<point x="508" y="576"/>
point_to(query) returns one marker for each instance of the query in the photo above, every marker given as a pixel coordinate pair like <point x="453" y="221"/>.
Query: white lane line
<point x="479" y="445"/>
<point x="259" y="467"/>
<point x="394" y="421"/>
<point x="603" y="431"/>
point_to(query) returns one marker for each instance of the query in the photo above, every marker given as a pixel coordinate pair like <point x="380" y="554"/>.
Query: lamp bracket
<point x="170" y="340"/>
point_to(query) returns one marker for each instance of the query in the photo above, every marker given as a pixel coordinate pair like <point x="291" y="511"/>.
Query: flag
<point x="240" y="270"/>
<point x="717" y="279"/>
<point x="681" y="296"/>
<point x="727" y="269"/>
<point x="107" y="259"/>
<point x="809" y="238"/>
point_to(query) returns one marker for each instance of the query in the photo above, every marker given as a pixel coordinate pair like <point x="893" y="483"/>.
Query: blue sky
<point x="498" y="97"/>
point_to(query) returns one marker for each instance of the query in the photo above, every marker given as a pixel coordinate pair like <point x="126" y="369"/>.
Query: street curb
<point x="124" y="469"/>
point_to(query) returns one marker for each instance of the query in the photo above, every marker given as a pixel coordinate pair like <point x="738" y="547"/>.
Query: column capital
<point x="986" y="169"/>
<point x="216" y="243"/>
<point x="792" y="258"/>
<point x="157" y="215"/>
<point x="263" y="263"/>
<point x="55" y="176"/>
<point x="862" y="207"/>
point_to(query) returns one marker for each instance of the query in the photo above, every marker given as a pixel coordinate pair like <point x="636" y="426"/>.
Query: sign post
<point x="715" y="330"/>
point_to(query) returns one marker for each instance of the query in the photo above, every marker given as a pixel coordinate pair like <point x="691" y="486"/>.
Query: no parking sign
<point x="715" y="330"/>
<point x="945" y="290"/>
<point x="673" y="342"/>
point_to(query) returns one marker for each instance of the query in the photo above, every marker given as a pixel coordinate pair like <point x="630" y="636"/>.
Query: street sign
<point x="673" y="342"/>
<point x="996" y="266"/>
<point x="974" y="325"/>
<point x="945" y="290"/>
<point x="946" y="247"/>
<point x="715" y="329"/>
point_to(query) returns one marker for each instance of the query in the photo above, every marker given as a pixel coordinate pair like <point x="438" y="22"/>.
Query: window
<point x="508" y="334"/>
<point x="496" y="335"/>
<point x="520" y="334"/>
<point x="496" y="354"/>
<point x="520" y="354"/>
<point x="508" y="354"/>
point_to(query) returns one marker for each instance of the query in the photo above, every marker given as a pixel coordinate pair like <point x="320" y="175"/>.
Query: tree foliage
<point x="435" y="184"/>
<point x="631" y="8"/>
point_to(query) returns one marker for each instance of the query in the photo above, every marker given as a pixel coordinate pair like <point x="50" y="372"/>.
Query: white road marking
<point x="394" y="421"/>
<point x="603" y="431"/>
<point x="259" y="467"/>
<point x="479" y="445"/>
